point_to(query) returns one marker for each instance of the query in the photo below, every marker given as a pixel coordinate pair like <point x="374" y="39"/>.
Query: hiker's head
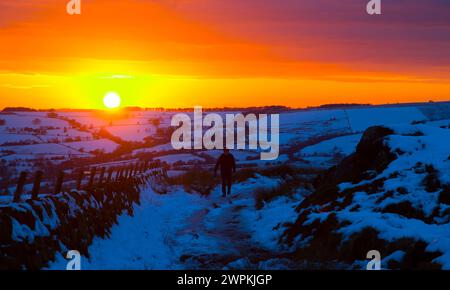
<point x="226" y="151"/>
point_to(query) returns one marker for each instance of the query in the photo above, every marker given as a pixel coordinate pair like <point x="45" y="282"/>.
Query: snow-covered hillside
<point x="391" y="195"/>
<point x="57" y="136"/>
<point x="384" y="188"/>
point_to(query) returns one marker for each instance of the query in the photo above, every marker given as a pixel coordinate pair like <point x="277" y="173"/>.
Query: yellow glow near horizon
<point x="181" y="59"/>
<point x="112" y="100"/>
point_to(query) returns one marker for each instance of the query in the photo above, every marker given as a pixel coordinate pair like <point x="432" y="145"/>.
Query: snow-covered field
<point x="361" y="119"/>
<point x="181" y="230"/>
<point x="324" y="152"/>
<point x="105" y="145"/>
<point x="76" y="131"/>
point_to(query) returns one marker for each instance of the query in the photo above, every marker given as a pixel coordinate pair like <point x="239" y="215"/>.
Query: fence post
<point x="80" y="179"/>
<point x="138" y="168"/>
<point x="59" y="182"/>
<point x="130" y="171"/>
<point x="130" y="174"/>
<point x="91" y="178"/>
<point x="20" y="184"/>
<point x="102" y="175"/>
<point x="125" y="172"/>
<point x="110" y="174"/>
<point x="36" y="184"/>
<point x="119" y="174"/>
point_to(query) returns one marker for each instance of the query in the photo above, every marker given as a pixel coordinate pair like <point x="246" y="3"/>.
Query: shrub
<point x="402" y="190"/>
<point x="36" y="122"/>
<point x="278" y="171"/>
<point x="199" y="181"/>
<point x="286" y="170"/>
<point x="52" y="115"/>
<point x="405" y="209"/>
<point x="417" y="257"/>
<point x="358" y="244"/>
<point x="244" y="174"/>
<point x="288" y="187"/>
<point x="444" y="195"/>
<point x="155" y="121"/>
<point x="431" y="181"/>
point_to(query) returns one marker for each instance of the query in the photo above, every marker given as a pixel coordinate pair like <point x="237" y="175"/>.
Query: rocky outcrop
<point x="391" y="195"/>
<point x="372" y="156"/>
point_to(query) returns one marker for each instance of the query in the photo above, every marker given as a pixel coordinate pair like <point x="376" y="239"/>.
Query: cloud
<point x="409" y="32"/>
<point x="13" y="11"/>
<point x="223" y="52"/>
<point x="24" y="87"/>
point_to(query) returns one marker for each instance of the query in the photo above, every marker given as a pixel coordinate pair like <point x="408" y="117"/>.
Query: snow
<point x="266" y="224"/>
<point x="171" y="159"/>
<point x="431" y="148"/>
<point x="300" y="126"/>
<point x="395" y="256"/>
<point x="105" y="145"/>
<point x="22" y="120"/>
<point x="166" y="227"/>
<point x="361" y="119"/>
<point x="21" y="232"/>
<point x="132" y="132"/>
<point x="98" y="120"/>
<point x="11" y="137"/>
<point x="345" y="145"/>
<point x="143" y="242"/>
<point x="158" y="149"/>
<point x="393" y="227"/>
<point x="43" y="149"/>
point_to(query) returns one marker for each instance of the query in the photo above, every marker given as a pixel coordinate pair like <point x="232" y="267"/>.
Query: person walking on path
<point x="227" y="165"/>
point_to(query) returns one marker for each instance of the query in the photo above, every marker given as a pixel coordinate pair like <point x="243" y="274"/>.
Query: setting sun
<point x="111" y="100"/>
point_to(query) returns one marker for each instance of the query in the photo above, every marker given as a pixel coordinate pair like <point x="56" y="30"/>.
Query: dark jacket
<point x="227" y="165"/>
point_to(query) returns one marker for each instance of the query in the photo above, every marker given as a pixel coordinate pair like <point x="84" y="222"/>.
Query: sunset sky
<point x="214" y="53"/>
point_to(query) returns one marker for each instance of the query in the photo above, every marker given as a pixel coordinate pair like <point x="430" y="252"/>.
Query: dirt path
<point x="180" y="231"/>
<point x="227" y="240"/>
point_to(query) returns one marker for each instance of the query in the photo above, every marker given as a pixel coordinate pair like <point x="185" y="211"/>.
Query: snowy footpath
<point x="187" y="231"/>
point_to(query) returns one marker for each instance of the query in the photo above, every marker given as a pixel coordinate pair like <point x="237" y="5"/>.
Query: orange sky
<point x="214" y="53"/>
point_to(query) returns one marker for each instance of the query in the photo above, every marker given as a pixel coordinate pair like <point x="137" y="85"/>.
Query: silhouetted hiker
<point x="227" y="168"/>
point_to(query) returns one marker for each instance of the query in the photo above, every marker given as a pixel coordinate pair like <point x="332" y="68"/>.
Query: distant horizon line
<point x="280" y="107"/>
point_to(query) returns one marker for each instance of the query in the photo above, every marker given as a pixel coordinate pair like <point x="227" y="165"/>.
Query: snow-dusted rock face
<point x="391" y="195"/>
<point x="31" y="232"/>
